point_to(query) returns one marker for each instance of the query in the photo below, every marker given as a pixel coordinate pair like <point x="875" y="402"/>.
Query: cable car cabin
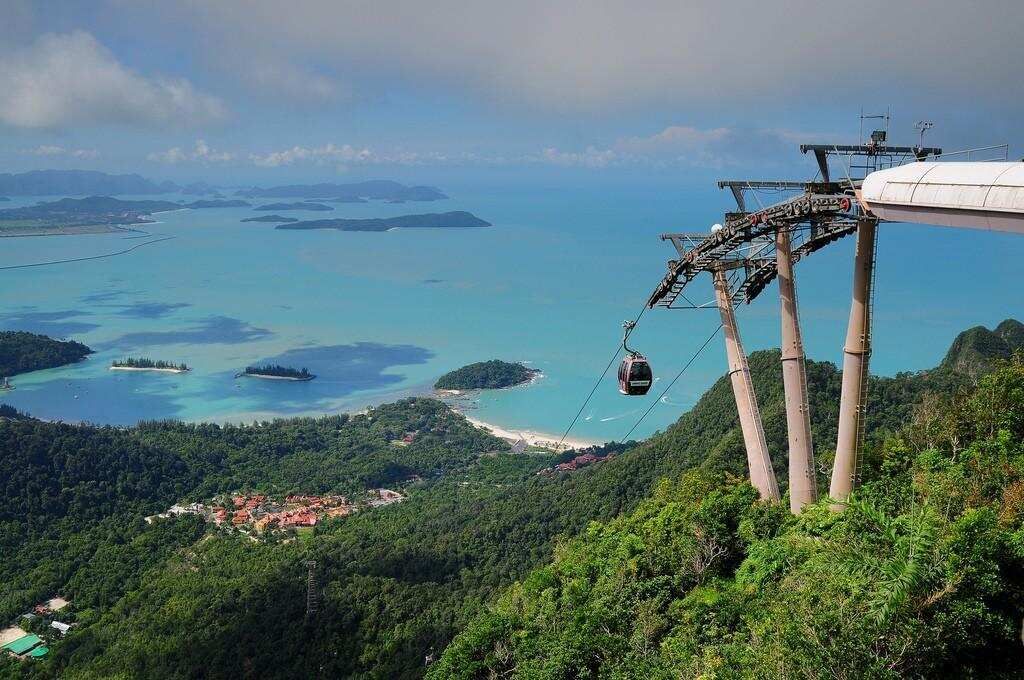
<point x="635" y="376"/>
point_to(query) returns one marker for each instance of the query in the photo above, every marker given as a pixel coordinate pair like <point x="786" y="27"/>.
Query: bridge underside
<point x="965" y="218"/>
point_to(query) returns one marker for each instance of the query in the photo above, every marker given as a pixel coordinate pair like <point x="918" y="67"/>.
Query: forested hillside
<point x="72" y="492"/>
<point x="21" y="352"/>
<point x="397" y="583"/>
<point x="920" y="576"/>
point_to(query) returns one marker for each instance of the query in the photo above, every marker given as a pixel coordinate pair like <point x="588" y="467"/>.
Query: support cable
<point x="618" y="348"/>
<point x="678" y="375"/>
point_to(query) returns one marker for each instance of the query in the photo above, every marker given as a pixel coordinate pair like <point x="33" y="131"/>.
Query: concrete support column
<point x="855" y="366"/>
<point x="803" y="487"/>
<point x="762" y="476"/>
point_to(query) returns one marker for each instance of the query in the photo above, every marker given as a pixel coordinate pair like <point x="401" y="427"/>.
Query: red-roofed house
<point x="254" y="502"/>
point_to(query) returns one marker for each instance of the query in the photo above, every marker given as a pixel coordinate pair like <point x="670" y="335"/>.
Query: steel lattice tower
<point x="312" y="595"/>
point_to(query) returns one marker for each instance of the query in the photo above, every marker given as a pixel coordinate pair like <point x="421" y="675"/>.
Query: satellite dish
<point x="716" y="227"/>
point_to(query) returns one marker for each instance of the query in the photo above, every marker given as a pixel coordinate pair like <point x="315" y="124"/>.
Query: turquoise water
<point x="380" y="315"/>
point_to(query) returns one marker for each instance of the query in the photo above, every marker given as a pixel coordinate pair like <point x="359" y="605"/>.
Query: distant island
<point x="458" y="219"/>
<point x="92" y="183"/>
<point x="270" y="218"/>
<point x="486" y="375"/>
<point x="227" y="203"/>
<point x="85" y="183"/>
<point x="302" y="205"/>
<point x="4" y="199"/>
<point x="22" y="352"/>
<point x="199" y="189"/>
<point x="383" y="190"/>
<point x="95" y="214"/>
<point x="143" y="364"/>
<point x="276" y="372"/>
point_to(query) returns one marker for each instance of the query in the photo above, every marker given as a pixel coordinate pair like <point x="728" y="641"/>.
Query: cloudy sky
<point x="264" y="89"/>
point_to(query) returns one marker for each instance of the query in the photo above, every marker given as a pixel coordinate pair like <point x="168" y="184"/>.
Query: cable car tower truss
<point x="754" y="247"/>
<point x="822" y="212"/>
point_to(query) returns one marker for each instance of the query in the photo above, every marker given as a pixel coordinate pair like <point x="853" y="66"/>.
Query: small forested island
<point x="458" y="219"/>
<point x="217" y="203"/>
<point x="486" y="375"/>
<point x="143" y="364"/>
<point x="301" y="205"/>
<point x="277" y="372"/>
<point x="21" y="352"/>
<point x="358" y="192"/>
<point x="271" y="218"/>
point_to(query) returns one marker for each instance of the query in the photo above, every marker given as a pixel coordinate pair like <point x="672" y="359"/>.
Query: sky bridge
<point x="865" y="185"/>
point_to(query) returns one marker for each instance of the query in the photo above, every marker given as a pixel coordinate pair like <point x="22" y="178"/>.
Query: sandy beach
<point x="263" y="376"/>
<point x="533" y="438"/>
<point x="158" y="370"/>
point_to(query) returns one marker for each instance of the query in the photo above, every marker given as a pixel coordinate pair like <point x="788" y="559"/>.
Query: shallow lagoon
<point x="378" y="316"/>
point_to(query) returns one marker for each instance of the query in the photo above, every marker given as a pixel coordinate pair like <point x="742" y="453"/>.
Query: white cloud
<point x="678" y="146"/>
<point x="674" y="139"/>
<point x="71" y="80"/>
<point x="588" y="158"/>
<point x="673" y="146"/>
<point x="51" y="150"/>
<point x="328" y="153"/>
<point x="201" y="153"/>
<point x="171" y="156"/>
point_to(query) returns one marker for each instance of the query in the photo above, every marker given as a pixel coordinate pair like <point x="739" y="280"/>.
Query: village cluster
<point x="576" y="463"/>
<point x="22" y="644"/>
<point x="261" y="513"/>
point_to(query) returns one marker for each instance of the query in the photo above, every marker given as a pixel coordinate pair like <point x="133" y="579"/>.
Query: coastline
<point x="159" y="370"/>
<point x="531" y="437"/>
<point x="22" y="232"/>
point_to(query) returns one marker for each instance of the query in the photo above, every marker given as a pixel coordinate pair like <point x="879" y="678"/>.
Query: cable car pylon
<point x="763" y="244"/>
<point x="762" y="475"/>
<point x="856" y="352"/>
<point x="803" y="485"/>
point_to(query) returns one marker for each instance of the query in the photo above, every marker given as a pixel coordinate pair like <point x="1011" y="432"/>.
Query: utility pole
<point x="803" y="486"/>
<point x="762" y="476"/>
<point x="852" y="400"/>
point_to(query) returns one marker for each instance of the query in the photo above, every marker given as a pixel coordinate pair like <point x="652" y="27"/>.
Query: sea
<point x="379" y="316"/>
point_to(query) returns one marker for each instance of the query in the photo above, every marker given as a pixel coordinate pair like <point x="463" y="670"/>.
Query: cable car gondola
<point x="635" y="375"/>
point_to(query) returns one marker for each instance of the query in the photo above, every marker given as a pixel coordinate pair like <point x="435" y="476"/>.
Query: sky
<point x="267" y="91"/>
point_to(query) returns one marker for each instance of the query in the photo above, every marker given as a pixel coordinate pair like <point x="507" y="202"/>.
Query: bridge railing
<point x="992" y="153"/>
